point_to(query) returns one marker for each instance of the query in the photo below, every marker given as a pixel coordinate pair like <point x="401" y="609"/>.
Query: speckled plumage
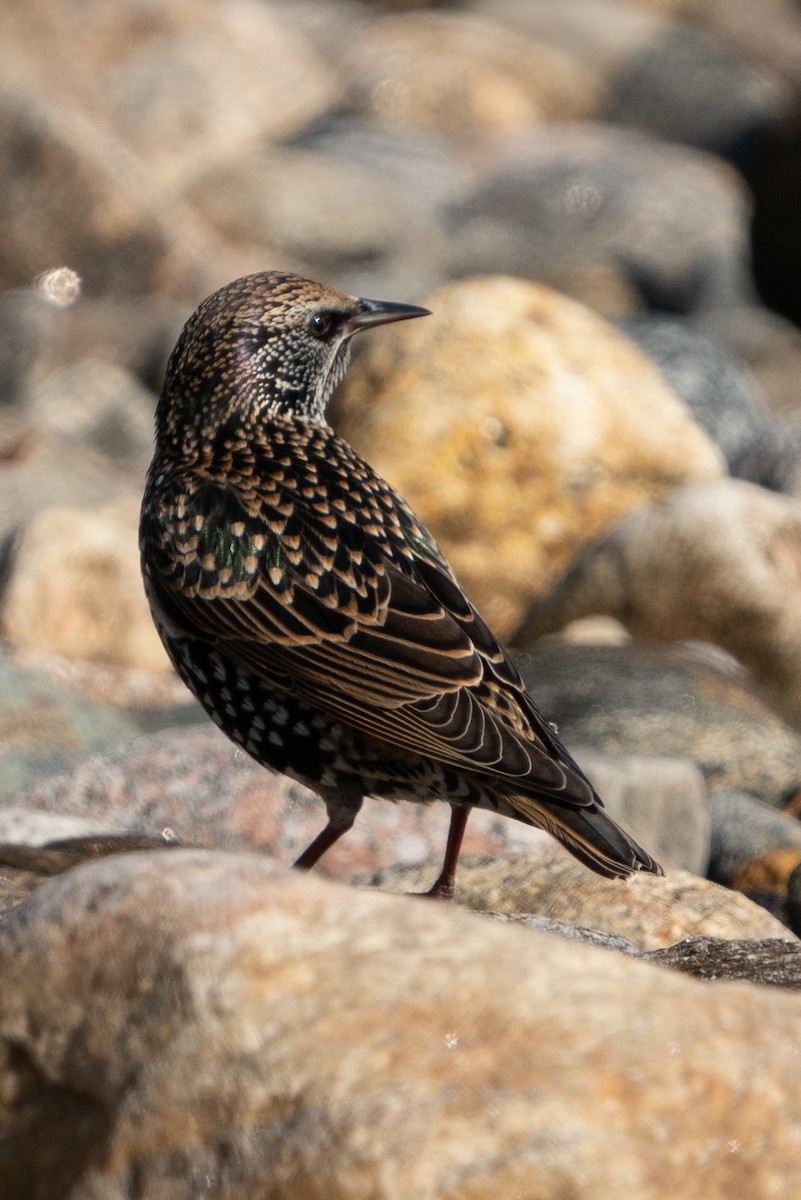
<point x="308" y="608"/>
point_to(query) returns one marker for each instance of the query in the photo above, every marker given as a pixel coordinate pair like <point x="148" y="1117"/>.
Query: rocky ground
<point x="599" y="202"/>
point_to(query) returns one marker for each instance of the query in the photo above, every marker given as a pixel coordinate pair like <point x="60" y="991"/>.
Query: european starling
<point x="311" y="612"/>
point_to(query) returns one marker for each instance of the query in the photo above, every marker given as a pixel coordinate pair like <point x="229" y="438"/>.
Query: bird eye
<point x="321" y="324"/>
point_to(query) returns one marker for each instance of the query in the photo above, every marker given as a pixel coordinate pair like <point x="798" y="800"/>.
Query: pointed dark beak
<point x="380" y="312"/>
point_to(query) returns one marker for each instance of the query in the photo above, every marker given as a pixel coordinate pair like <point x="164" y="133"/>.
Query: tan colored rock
<point x="42" y="470"/>
<point x="517" y="423"/>
<point x="769" y="37"/>
<point x="75" y="588"/>
<point x="767" y="872"/>
<point x="648" y="910"/>
<point x="314" y="206"/>
<point x="190" y="1023"/>
<point x="718" y="562"/>
<point x="466" y="77"/>
<point x="602" y="35"/>
<point x="233" y="77"/>
<point x="79" y="197"/>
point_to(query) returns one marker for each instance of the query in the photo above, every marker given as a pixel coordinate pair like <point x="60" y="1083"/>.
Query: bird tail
<point x="589" y="833"/>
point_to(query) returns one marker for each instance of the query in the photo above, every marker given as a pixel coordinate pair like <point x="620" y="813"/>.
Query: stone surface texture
<point x="719" y="562"/>
<point x="264" y="1033"/>
<point x="647" y="910"/>
<point x="457" y="409"/>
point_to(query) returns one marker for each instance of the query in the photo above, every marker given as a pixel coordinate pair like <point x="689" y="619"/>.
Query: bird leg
<point x="444" y="887"/>
<point x="342" y="812"/>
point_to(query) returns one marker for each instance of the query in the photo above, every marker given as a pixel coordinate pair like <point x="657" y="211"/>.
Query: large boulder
<point x="718" y="562"/>
<point x="517" y="423"/>
<point x="191" y="1023"/>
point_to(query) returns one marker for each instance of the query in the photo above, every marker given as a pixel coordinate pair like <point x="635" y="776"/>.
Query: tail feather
<point x="589" y="833"/>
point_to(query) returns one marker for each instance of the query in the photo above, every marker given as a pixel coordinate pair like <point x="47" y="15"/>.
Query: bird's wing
<point x="368" y="623"/>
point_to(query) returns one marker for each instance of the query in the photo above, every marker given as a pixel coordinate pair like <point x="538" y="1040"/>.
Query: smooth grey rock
<point x="773" y="456"/>
<point x="566" y="199"/>
<point x="714" y="562"/>
<point x="685" y="87"/>
<point x="716" y="388"/>
<point x="662" y="801"/>
<point x="677" y="701"/>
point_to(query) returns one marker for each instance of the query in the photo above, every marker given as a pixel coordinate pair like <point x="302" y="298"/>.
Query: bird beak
<point x="380" y="312"/>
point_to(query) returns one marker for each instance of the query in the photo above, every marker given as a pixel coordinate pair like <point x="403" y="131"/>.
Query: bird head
<point x="267" y="345"/>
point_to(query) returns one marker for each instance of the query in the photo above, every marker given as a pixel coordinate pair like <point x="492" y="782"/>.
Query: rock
<point x="567" y="203"/>
<point x="773" y="457"/>
<point x="767" y="872"/>
<point x="196" y="784"/>
<point x="411" y="178"/>
<point x="647" y="910"/>
<point x="770" y="38"/>
<point x="200" y="92"/>
<point x="24" y="867"/>
<point x="42" y="726"/>
<point x="75" y="588"/>
<point x="107" y="217"/>
<point x="22" y="834"/>
<point x="504" y="375"/>
<point x="717" y="390"/>
<point x="97" y="404"/>
<point x="30" y="827"/>
<point x="63" y="854"/>
<point x="463" y="77"/>
<point x="772" y="961"/>
<point x="137" y="338"/>
<point x="16" y="884"/>
<point x="320" y="210"/>
<point x="152" y="700"/>
<point x="44" y="343"/>
<point x="793" y="900"/>
<point x="769" y="961"/>
<point x="744" y="827"/>
<point x="428" y="171"/>
<point x="767" y="344"/>
<point x="211" y="1021"/>
<point x="602" y="36"/>
<point x="25" y="322"/>
<point x="685" y="88"/>
<point x="40" y="470"/>
<point x="719" y="562"/>
<point x="663" y="802"/>
<point x="680" y="702"/>
<point x="765" y="878"/>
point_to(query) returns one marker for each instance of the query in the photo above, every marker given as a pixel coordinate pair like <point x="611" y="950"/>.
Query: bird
<point x="309" y="609"/>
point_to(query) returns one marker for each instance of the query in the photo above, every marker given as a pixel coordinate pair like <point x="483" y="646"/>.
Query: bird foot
<point x="443" y="889"/>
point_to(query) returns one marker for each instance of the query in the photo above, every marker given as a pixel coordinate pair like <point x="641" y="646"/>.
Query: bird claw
<point x="443" y="889"/>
